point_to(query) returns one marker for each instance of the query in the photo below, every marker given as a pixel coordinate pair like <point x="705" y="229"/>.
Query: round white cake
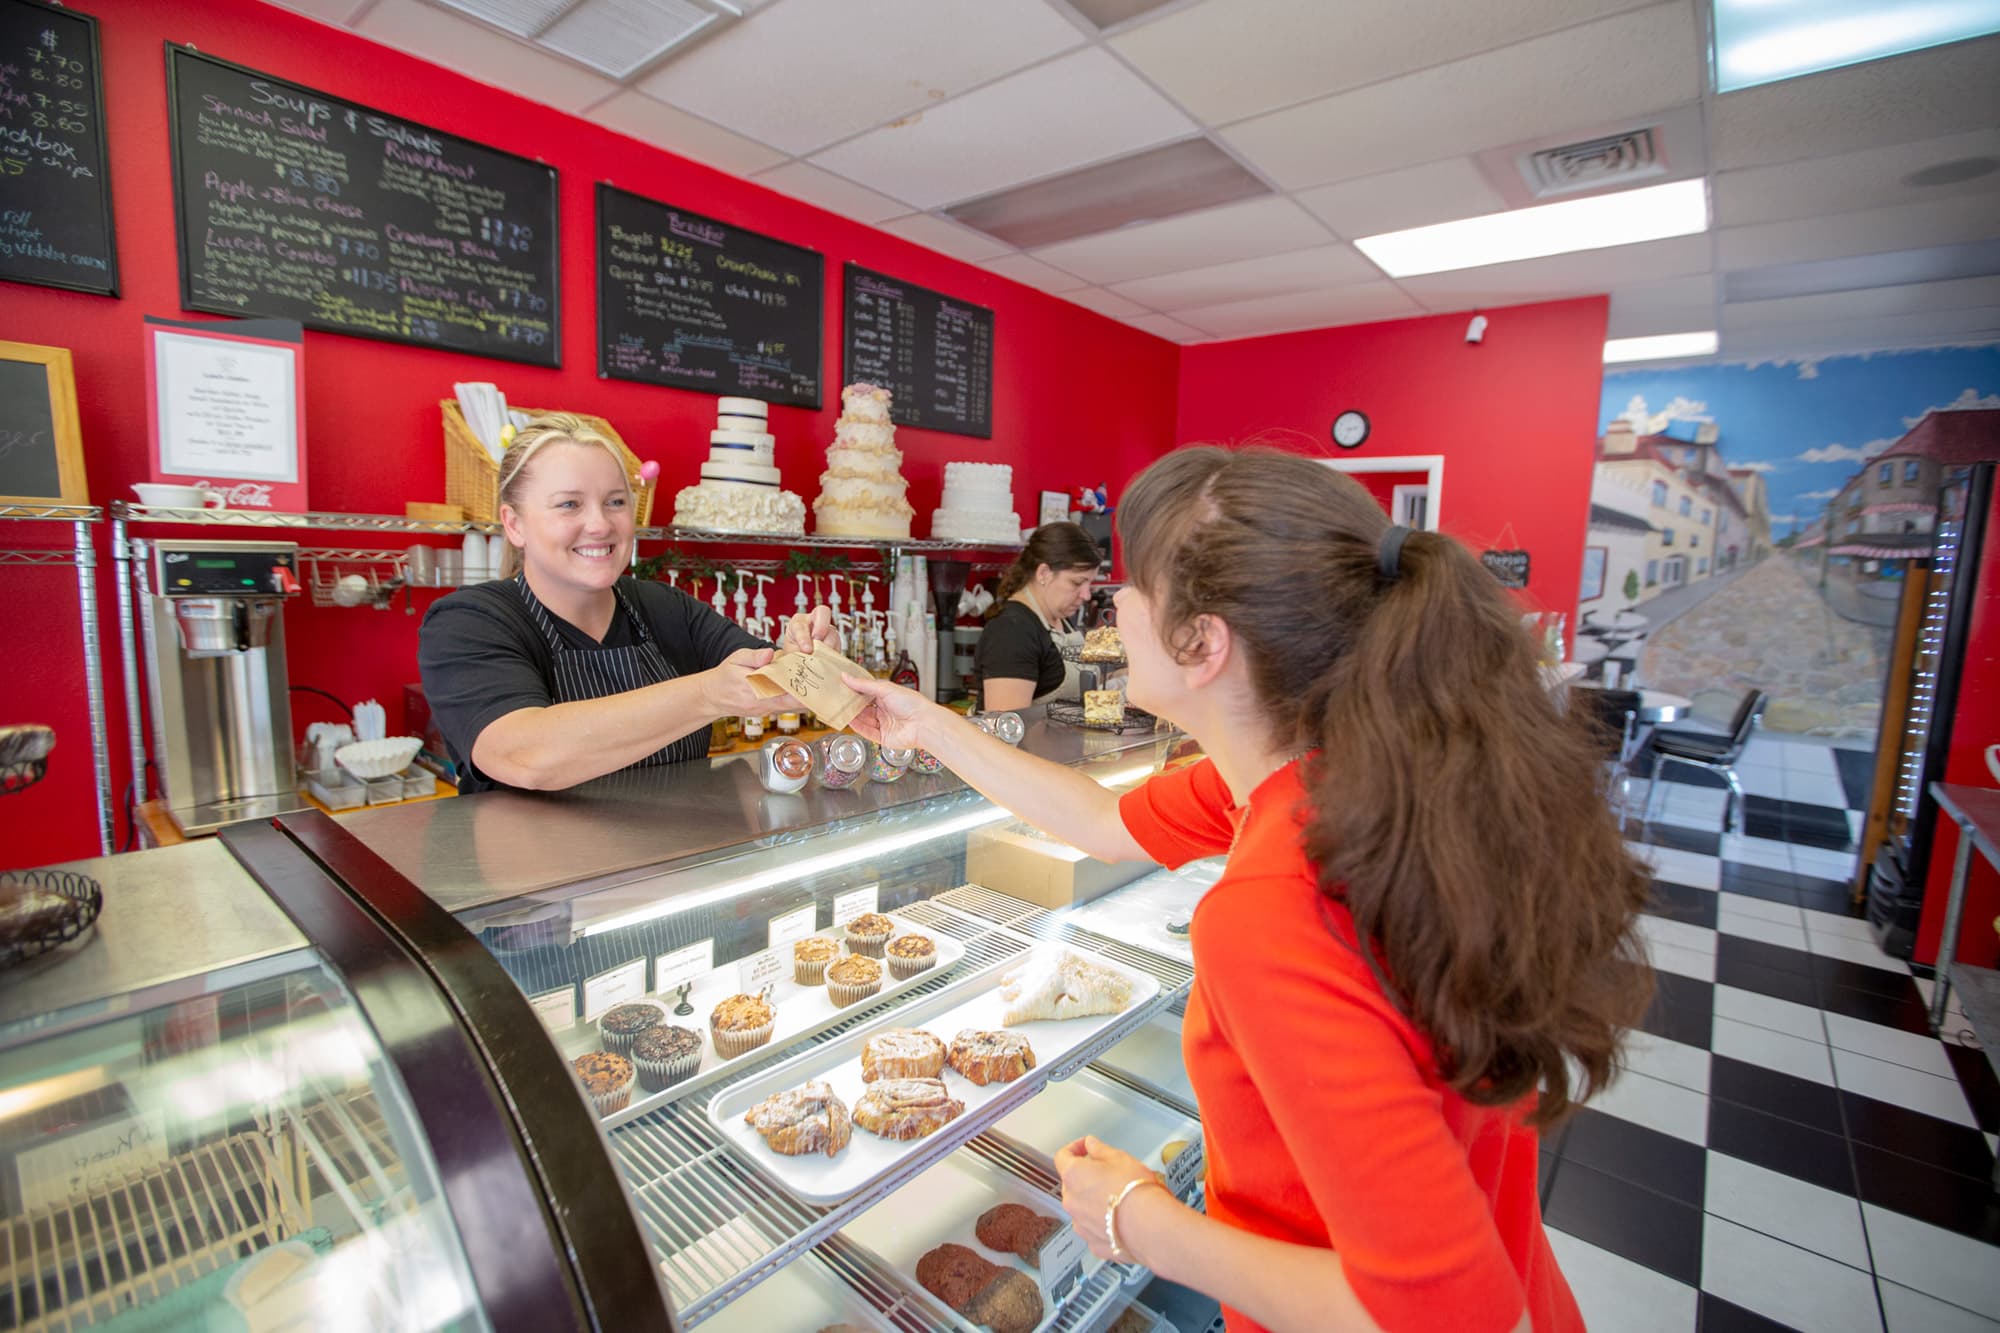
<point x="978" y="505"/>
<point x="739" y="489"/>
<point x="862" y="493"/>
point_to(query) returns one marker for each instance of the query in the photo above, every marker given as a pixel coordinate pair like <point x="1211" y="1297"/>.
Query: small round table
<point x="1659" y="706"/>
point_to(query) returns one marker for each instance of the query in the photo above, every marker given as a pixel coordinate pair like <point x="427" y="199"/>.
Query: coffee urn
<point x="215" y="657"/>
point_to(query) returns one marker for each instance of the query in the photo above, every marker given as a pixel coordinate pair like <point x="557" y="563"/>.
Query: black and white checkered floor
<point x="1789" y="1147"/>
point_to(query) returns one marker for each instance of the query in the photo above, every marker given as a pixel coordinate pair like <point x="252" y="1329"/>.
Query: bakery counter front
<point x="833" y="1039"/>
<point x="664" y="1050"/>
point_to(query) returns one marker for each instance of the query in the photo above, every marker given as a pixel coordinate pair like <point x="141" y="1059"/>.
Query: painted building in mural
<point x="1666" y="511"/>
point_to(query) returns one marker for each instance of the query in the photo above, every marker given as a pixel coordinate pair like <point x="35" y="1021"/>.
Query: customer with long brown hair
<point x="1018" y="660"/>
<point x="1422" y="948"/>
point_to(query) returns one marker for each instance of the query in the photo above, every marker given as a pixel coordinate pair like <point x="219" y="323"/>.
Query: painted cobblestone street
<point x="1770" y="629"/>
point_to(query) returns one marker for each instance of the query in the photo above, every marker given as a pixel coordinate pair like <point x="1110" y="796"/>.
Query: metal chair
<point x="1705" y="750"/>
<point x="1617" y="714"/>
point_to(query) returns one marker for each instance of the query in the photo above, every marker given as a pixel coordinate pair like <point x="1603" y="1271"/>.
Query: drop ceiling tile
<point x="1166" y="326"/>
<point x="1106" y="303"/>
<point x="945" y="237"/>
<point x="327" y="11"/>
<point x="806" y="73"/>
<point x="1869" y="303"/>
<point x="1033" y="272"/>
<point x="1413" y="197"/>
<point x="1194" y="240"/>
<point x="1611" y="70"/>
<point x="1871" y="231"/>
<point x="666" y="127"/>
<point x="1923" y="95"/>
<point x="1080" y="108"/>
<point x="1580" y="274"/>
<point x="1678" y="305"/>
<point x="1846" y="182"/>
<point x="1315" y="269"/>
<point x="803" y="180"/>
<point x="1299" y="51"/>
<point x="480" y="53"/>
<point x="1975" y="324"/>
<point x="1359" y="304"/>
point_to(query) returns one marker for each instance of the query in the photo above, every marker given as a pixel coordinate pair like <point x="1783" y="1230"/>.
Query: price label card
<point x="674" y="970"/>
<point x="791" y="926"/>
<point x="855" y="902"/>
<point x="626" y="982"/>
<point x="91" y="1159"/>
<point x="556" y="1008"/>
<point x="1062" y="1259"/>
<point x="760" y="970"/>
<point x="1185" y="1169"/>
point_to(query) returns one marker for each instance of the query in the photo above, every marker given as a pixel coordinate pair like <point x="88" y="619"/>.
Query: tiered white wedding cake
<point x="978" y="505"/>
<point x="739" y="490"/>
<point x="861" y="493"/>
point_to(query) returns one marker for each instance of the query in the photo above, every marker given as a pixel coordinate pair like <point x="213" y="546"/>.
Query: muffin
<point x="620" y="1025"/>
<point x="853" y="978"/>
<point x="606" y="1079"/>
<point x="911" y="954"/>
<point x="741" y="1024"/>
<point x="666" y="1055"/>
<point x="868" y="934"/>
<point x="810" y="957"/>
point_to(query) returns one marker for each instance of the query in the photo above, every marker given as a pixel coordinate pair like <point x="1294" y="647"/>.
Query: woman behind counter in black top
<point x="562" y="670"/>
<point x="1017" y="661"/>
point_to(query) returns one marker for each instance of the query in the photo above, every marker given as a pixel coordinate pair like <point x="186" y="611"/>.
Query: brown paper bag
<point x="813" y="679"/>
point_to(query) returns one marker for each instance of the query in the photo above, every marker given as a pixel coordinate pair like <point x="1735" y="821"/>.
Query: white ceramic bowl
<point x="378" y="759"/>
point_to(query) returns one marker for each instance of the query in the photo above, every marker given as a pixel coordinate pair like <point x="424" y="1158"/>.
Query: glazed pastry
<point x="1104" y="708"/>
<point x="906" y="1108"/>
<point x="28" y="912"/>
<point x="902" y="1053"/>
<point x="1103" y="645"/>
<point x="1058" y="984"/>
<point x="1013" y="1228"/>
<point x="1004" y="1299"/>
<point x="805" y="1120"/>
<point x="911" y="954"/>
<point x="991" y="1057"/>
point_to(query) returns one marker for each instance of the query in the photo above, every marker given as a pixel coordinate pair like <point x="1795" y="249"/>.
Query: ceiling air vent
<point x="1594" y="164"/>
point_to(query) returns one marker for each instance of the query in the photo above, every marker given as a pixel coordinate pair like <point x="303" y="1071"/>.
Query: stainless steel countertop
<point x="471" y="851"/>
<point x="169" y="914"/>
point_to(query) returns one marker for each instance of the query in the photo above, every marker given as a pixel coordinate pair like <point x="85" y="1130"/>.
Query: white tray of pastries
<point x="1012" y="1237"/>
<point x="826" y="1130"/>
<point x="800" y="1008"/>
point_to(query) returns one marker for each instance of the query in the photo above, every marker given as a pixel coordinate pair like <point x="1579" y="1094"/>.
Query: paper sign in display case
<point x="523" y="1030"/>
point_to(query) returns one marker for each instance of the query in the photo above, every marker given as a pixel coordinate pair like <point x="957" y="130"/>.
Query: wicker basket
<point x="472" y="478"/>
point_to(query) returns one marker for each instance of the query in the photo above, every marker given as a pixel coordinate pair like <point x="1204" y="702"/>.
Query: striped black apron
<point x="598" y="673"/>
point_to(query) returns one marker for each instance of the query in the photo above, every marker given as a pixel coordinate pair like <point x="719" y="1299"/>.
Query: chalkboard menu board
<point x="297" y="205"/>
<point x="55" y="184"/>
<point x="934" y="353"/>
<point x="41" y="453"/>
<point x="698" y="304"/>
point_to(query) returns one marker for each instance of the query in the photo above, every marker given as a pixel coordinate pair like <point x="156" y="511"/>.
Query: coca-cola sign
<point x="240" y="495"/>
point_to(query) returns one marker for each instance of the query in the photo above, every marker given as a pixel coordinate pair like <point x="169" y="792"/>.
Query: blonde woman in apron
<point x="565" y="669"/>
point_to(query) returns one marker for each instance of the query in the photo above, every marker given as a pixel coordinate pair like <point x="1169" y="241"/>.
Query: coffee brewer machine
<point x="215" y="650"/>
<point x="947" y="579"/>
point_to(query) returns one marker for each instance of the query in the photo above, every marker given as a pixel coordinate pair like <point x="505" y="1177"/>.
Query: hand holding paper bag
<point x="816" y="680"/>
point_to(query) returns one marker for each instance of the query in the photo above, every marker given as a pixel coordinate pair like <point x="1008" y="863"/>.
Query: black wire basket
<point x="42" y="910"/>
<point x="21" y="775"/>
<point x="1064" y="713"/>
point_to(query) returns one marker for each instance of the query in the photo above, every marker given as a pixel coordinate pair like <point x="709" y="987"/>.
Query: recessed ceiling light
<point x="1630" y="216"/>
<point x="1952" y="172"/>
<point x="1763" y="41"/>
<point x="1660" y="347"/>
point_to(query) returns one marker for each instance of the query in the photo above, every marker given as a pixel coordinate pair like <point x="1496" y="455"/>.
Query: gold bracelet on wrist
<point x="1118" y="1251"/>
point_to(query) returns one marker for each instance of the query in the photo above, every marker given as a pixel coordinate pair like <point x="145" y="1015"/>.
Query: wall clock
<point x="1350" y="428"/>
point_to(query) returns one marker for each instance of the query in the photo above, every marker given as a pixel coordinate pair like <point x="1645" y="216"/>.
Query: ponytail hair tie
<point x="1389" y="555"/>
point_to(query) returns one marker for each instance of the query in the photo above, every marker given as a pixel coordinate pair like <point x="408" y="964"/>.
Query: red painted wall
<point x="1975" y="726"/>
<point x="1077" y="397"/>
<point x="1514" y="417"/>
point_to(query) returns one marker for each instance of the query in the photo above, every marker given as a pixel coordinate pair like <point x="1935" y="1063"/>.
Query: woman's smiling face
<point x="574" y="522"/>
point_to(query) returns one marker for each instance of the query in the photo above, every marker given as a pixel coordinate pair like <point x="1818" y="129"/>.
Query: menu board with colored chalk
<point x="299" y="205"/>
<point x="933" y="352"/>
<point x="55" y="180"/>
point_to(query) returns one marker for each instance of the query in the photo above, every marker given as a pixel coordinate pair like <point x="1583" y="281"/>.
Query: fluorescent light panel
<point x="1763" y="41"/>
<point x="1660" y="347"/>
<point x="1105" y="196"/>
<point x="1625" y="218"/>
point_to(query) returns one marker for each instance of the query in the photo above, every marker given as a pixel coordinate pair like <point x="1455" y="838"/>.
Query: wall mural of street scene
<point x="1750" y="525"/>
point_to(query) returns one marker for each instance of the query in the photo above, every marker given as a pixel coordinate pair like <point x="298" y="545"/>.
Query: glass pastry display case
<point x="653" y="972"/>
